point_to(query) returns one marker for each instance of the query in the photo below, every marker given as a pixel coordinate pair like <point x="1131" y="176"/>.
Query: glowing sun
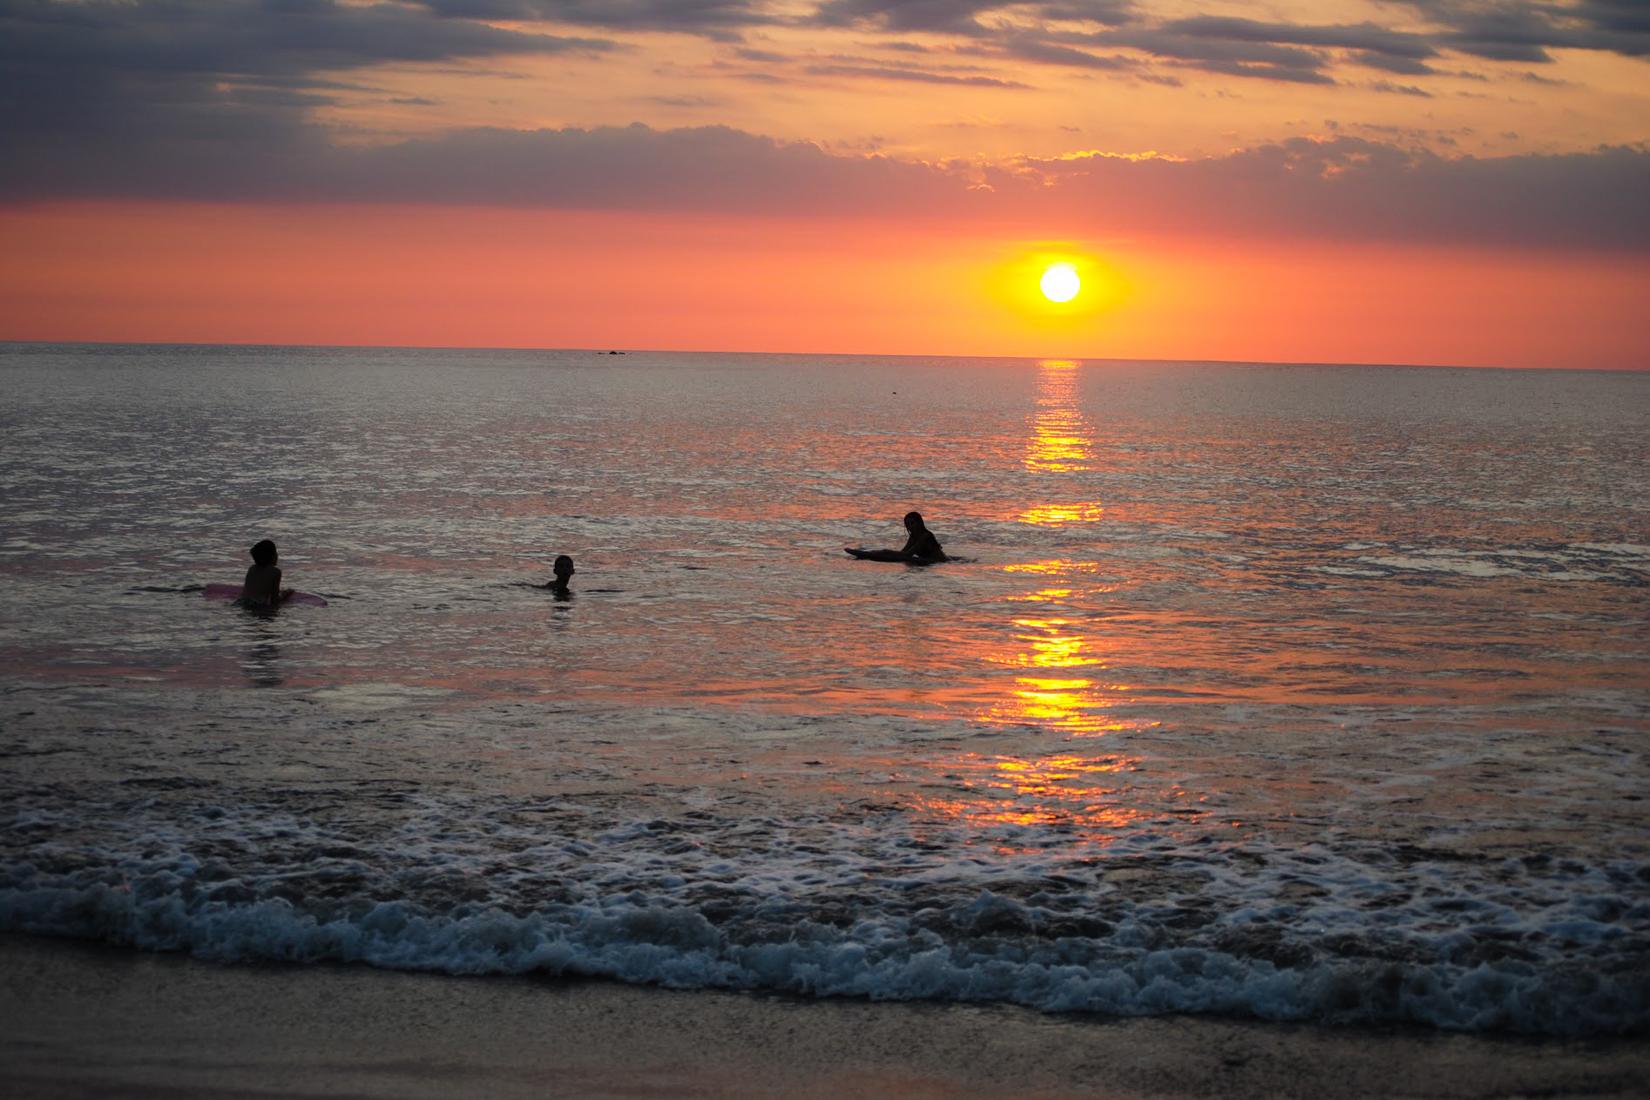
<point x="1060" y="283"/>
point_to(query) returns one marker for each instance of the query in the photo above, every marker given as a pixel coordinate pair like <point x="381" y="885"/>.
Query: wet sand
<point x="87" y="1021"/>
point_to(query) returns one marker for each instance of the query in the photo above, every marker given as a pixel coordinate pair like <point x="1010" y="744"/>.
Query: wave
<point x="944" y="942"/>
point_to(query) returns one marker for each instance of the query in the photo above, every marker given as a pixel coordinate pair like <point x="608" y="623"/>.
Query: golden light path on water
<point x="1065" y="687"/>
<point x="1061" y="440"/>
<point x="1062" y="684"/>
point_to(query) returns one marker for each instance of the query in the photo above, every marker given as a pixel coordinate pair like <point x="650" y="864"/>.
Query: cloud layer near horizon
<point x="1339" y="189"/>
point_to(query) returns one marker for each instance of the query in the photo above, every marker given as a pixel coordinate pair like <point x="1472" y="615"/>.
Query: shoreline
<point x="89" y="1020"/>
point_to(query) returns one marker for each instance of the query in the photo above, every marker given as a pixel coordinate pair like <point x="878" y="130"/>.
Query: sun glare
<point x="1055" y="288"/>
<point x="1060" y="283"/>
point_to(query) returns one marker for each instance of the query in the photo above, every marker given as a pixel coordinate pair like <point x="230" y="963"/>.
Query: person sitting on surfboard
<point x="563" y="569"/>
<point x="922" y="548"/>
<point x="262" y="587"/>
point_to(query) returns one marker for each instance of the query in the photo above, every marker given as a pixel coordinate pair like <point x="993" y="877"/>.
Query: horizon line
<point x="12" y="342"/>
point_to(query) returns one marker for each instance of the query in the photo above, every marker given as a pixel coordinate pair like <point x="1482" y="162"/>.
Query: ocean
<point x="1314" y="693"/>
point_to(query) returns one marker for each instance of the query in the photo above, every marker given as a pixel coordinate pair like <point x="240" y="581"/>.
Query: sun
<point x="1060" y="283"/>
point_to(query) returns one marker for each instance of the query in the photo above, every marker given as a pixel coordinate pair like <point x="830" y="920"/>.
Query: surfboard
<point x="876" y="555"/>
<point x="233" y="592"/>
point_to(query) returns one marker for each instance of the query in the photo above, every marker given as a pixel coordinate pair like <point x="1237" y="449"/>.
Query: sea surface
<point x="1295" y="692"/>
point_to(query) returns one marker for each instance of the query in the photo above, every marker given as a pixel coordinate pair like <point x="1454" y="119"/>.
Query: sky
<point x="1425" y="181"/>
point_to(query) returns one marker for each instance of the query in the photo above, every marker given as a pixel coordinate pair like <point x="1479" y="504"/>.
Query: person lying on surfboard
<point x="563" y="569"/>
<point x="262" y="587"/>
<point x="922" y="548"/>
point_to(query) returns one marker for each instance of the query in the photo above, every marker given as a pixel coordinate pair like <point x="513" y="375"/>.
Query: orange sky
<point x="472" y="277"/>
<point x="1339" y="181"/>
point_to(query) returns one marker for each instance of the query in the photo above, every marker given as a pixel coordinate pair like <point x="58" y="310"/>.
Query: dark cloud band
<point x="1344" y="189"/>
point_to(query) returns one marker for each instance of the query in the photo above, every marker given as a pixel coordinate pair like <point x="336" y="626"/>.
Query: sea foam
<point x="1559" y="951"/>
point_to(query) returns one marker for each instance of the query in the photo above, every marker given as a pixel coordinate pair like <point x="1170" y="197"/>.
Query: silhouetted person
<point x="921" y="548"/>
<point x="563" y="569"/>
<point x="262" y="587"/>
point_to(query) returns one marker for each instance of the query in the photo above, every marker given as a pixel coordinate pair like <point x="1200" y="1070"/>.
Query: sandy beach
<point x="86" y="1021"/>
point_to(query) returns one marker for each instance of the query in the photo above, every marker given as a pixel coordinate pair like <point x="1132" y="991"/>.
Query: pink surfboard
<point x="233" y="592"/>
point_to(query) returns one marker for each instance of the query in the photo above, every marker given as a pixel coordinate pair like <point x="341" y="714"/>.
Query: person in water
<point x="262" y="587"/>
<point x="563" y="569"/>
<point x="921" y="548"/>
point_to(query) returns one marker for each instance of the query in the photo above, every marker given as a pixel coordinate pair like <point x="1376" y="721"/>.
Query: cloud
<point x="213" y="70"/>
<point x="1265" y="71"/>
<point x="1364" y="43"/>
<point x="1342" y="189"/>
<point x="1401" y="66"/>
<point x="211" y="99"/>
<point x="854" y="67"/>
<point x="1048" y="33"/>
<point x="1110" y="12"/>
<point x="1244" y="56"/>
<point x="1353" y="189"/>
<point x="1199" y="47"/>
<point x="921" y="76"/>
<point x="903" y="16"/>
<point x="1525" y="30"/>
<point x="1400" y="89"/>
<point x="1621" y="25"/>
<point x="1366" y="37"/>
<point x="963" y="17"/>
<point x="249" y="70"/>
<point x="1032" y="48"/>
<point x="617" y="168"/>
<point x="718" y="19"/>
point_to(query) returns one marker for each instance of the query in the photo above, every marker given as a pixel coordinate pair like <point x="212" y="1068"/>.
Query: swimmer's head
<point x="563" y="568"/>
<point x="913" y="521"/>
<point x="264" y="553"/>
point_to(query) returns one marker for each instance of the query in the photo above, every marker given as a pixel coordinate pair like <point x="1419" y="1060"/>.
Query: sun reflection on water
<point x="1055" y="565"/>
<point x="1060" y="441"/>
<point x="1058" y="515"/>
<point x="1064" y="687"/>
<point x="1088" y="798"/>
